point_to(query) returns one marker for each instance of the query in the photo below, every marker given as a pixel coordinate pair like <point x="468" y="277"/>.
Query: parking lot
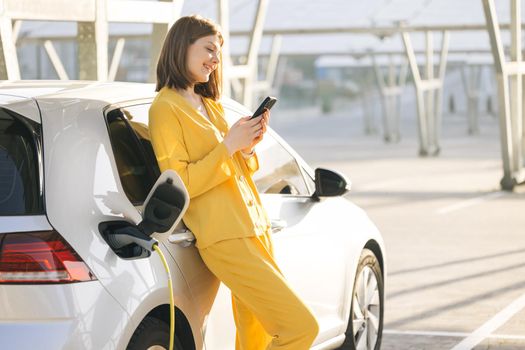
<point x="455" y="242"/>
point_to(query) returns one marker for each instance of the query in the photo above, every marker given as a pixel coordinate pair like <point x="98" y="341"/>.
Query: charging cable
<point x="170" y="287"/>
<point x="127" y="235"/>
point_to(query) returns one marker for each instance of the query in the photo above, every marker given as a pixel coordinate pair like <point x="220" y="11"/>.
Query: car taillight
<point x="40" y="257"/>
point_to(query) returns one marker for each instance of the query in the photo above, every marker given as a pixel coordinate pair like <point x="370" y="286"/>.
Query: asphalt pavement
<point x="455" y="242"/>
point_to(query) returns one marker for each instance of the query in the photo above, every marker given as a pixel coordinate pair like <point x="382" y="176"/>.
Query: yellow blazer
<point x="224" y="202"/>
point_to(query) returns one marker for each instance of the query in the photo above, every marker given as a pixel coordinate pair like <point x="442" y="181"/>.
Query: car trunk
<point x="21" y="186"/>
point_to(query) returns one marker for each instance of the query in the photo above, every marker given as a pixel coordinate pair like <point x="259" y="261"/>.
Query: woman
<point x="190" y="135"/>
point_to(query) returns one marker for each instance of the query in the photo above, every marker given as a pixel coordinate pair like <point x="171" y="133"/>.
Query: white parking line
<point x="453" y="334"/>
<point x="491" y="325"/>
<point x="469" y="202"/>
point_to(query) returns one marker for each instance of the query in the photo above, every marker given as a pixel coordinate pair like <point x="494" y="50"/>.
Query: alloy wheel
<point x="366" y="310"/>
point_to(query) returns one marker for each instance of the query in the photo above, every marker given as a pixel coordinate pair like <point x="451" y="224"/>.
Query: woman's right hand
<point x="242" y="134"/>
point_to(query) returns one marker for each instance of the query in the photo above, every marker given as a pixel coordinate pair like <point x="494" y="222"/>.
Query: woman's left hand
<point x="265" y="119"/>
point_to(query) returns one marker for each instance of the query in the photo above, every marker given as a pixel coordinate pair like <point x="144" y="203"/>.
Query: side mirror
<point x="165" y="204"/>
<point x="329" y="183"/>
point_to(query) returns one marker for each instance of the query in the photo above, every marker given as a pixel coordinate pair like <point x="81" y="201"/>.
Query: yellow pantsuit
<point x="231" y="226"/>
<point x="268" y="314"/>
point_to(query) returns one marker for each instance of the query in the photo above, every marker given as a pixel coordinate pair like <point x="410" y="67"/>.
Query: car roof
<point x="111" y="92"/>
<point x="14" y="93"/>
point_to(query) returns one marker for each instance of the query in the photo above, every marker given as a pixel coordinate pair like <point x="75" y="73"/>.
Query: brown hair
<point x="172" y="69"/>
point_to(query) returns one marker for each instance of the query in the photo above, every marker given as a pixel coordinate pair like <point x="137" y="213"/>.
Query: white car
<point x="76" y="156"/>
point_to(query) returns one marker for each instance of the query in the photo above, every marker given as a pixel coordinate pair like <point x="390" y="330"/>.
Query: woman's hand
<point x="246" y="133"/>
<point x="264" y="126"/>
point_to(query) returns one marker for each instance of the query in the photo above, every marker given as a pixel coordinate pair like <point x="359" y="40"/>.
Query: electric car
<point x="76" y="163"/>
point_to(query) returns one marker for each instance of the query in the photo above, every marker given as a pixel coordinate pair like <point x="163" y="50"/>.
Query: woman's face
<point x="203" y="57"/>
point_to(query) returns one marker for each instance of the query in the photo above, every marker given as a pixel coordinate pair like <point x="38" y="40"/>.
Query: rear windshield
<point x="20" y="192"/>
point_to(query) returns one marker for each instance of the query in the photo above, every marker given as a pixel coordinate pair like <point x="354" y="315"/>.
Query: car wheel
<point x="152" y="334"/>
<point x="365" y="326"/>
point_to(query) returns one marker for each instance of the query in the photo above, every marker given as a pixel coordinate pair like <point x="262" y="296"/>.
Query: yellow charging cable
<point x="170" y="287"/>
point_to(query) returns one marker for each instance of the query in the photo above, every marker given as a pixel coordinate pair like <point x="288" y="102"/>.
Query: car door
<point x="307" y="253"/>
<point x="138" y="171"/>
<point x="310" y="256"/>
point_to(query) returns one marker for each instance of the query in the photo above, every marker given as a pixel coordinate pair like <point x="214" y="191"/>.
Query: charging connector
<point x="123" y="236"/>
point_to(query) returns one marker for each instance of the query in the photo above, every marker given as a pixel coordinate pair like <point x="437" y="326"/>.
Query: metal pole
<point x="477" y="93"/>
<point x="392" y="98"/>
<point x="224" y="20"/>
<point x="397" y="116"/>
<point x="16" y="30"/>
<point x="523" y="123"/>
<point x="101" y="39"/>
<point x="255" y="43"/>
<point x="445" y="39"/>
<point x="391" y="71"/>
<point x="55" y="60"/>
<point x="429" y="112"/>
<point x="403" y="73"/>
<point x="385" y="102"/>
<point x="508" y="181"/>
<point x="472" y="100"/>
<point x="422" y="123"/>
<point x="9" y="68"/>
<point x="271" y="68"/>
<point x="516" y="86"/>
<point x="115" y="61"/>
<point x="365" y="97"/>
<point x="469" y="86"/>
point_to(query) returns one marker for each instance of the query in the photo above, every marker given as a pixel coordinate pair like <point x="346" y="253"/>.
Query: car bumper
<point x="61" y="316"/>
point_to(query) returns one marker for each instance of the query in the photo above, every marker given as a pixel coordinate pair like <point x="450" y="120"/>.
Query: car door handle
<point x="278" y="225"/>
<point x="183" y="238"/>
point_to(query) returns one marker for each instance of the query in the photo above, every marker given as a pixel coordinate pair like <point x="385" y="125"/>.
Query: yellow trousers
<point x="267" y="312"/>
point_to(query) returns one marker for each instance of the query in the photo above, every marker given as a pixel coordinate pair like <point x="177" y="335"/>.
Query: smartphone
<point x="268" y="103"/>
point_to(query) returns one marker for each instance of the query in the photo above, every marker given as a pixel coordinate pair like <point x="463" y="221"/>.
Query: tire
<point x="365" y="324"/>
<point x="152" y="334"/>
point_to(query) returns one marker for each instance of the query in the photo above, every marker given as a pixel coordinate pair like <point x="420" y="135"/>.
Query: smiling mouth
<point x="208" y="68"/>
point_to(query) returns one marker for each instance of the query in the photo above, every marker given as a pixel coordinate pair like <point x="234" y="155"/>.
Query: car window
<point x="20" y="192"/>
<point x="130" y="140"/>
<point x="278" y="170"/>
